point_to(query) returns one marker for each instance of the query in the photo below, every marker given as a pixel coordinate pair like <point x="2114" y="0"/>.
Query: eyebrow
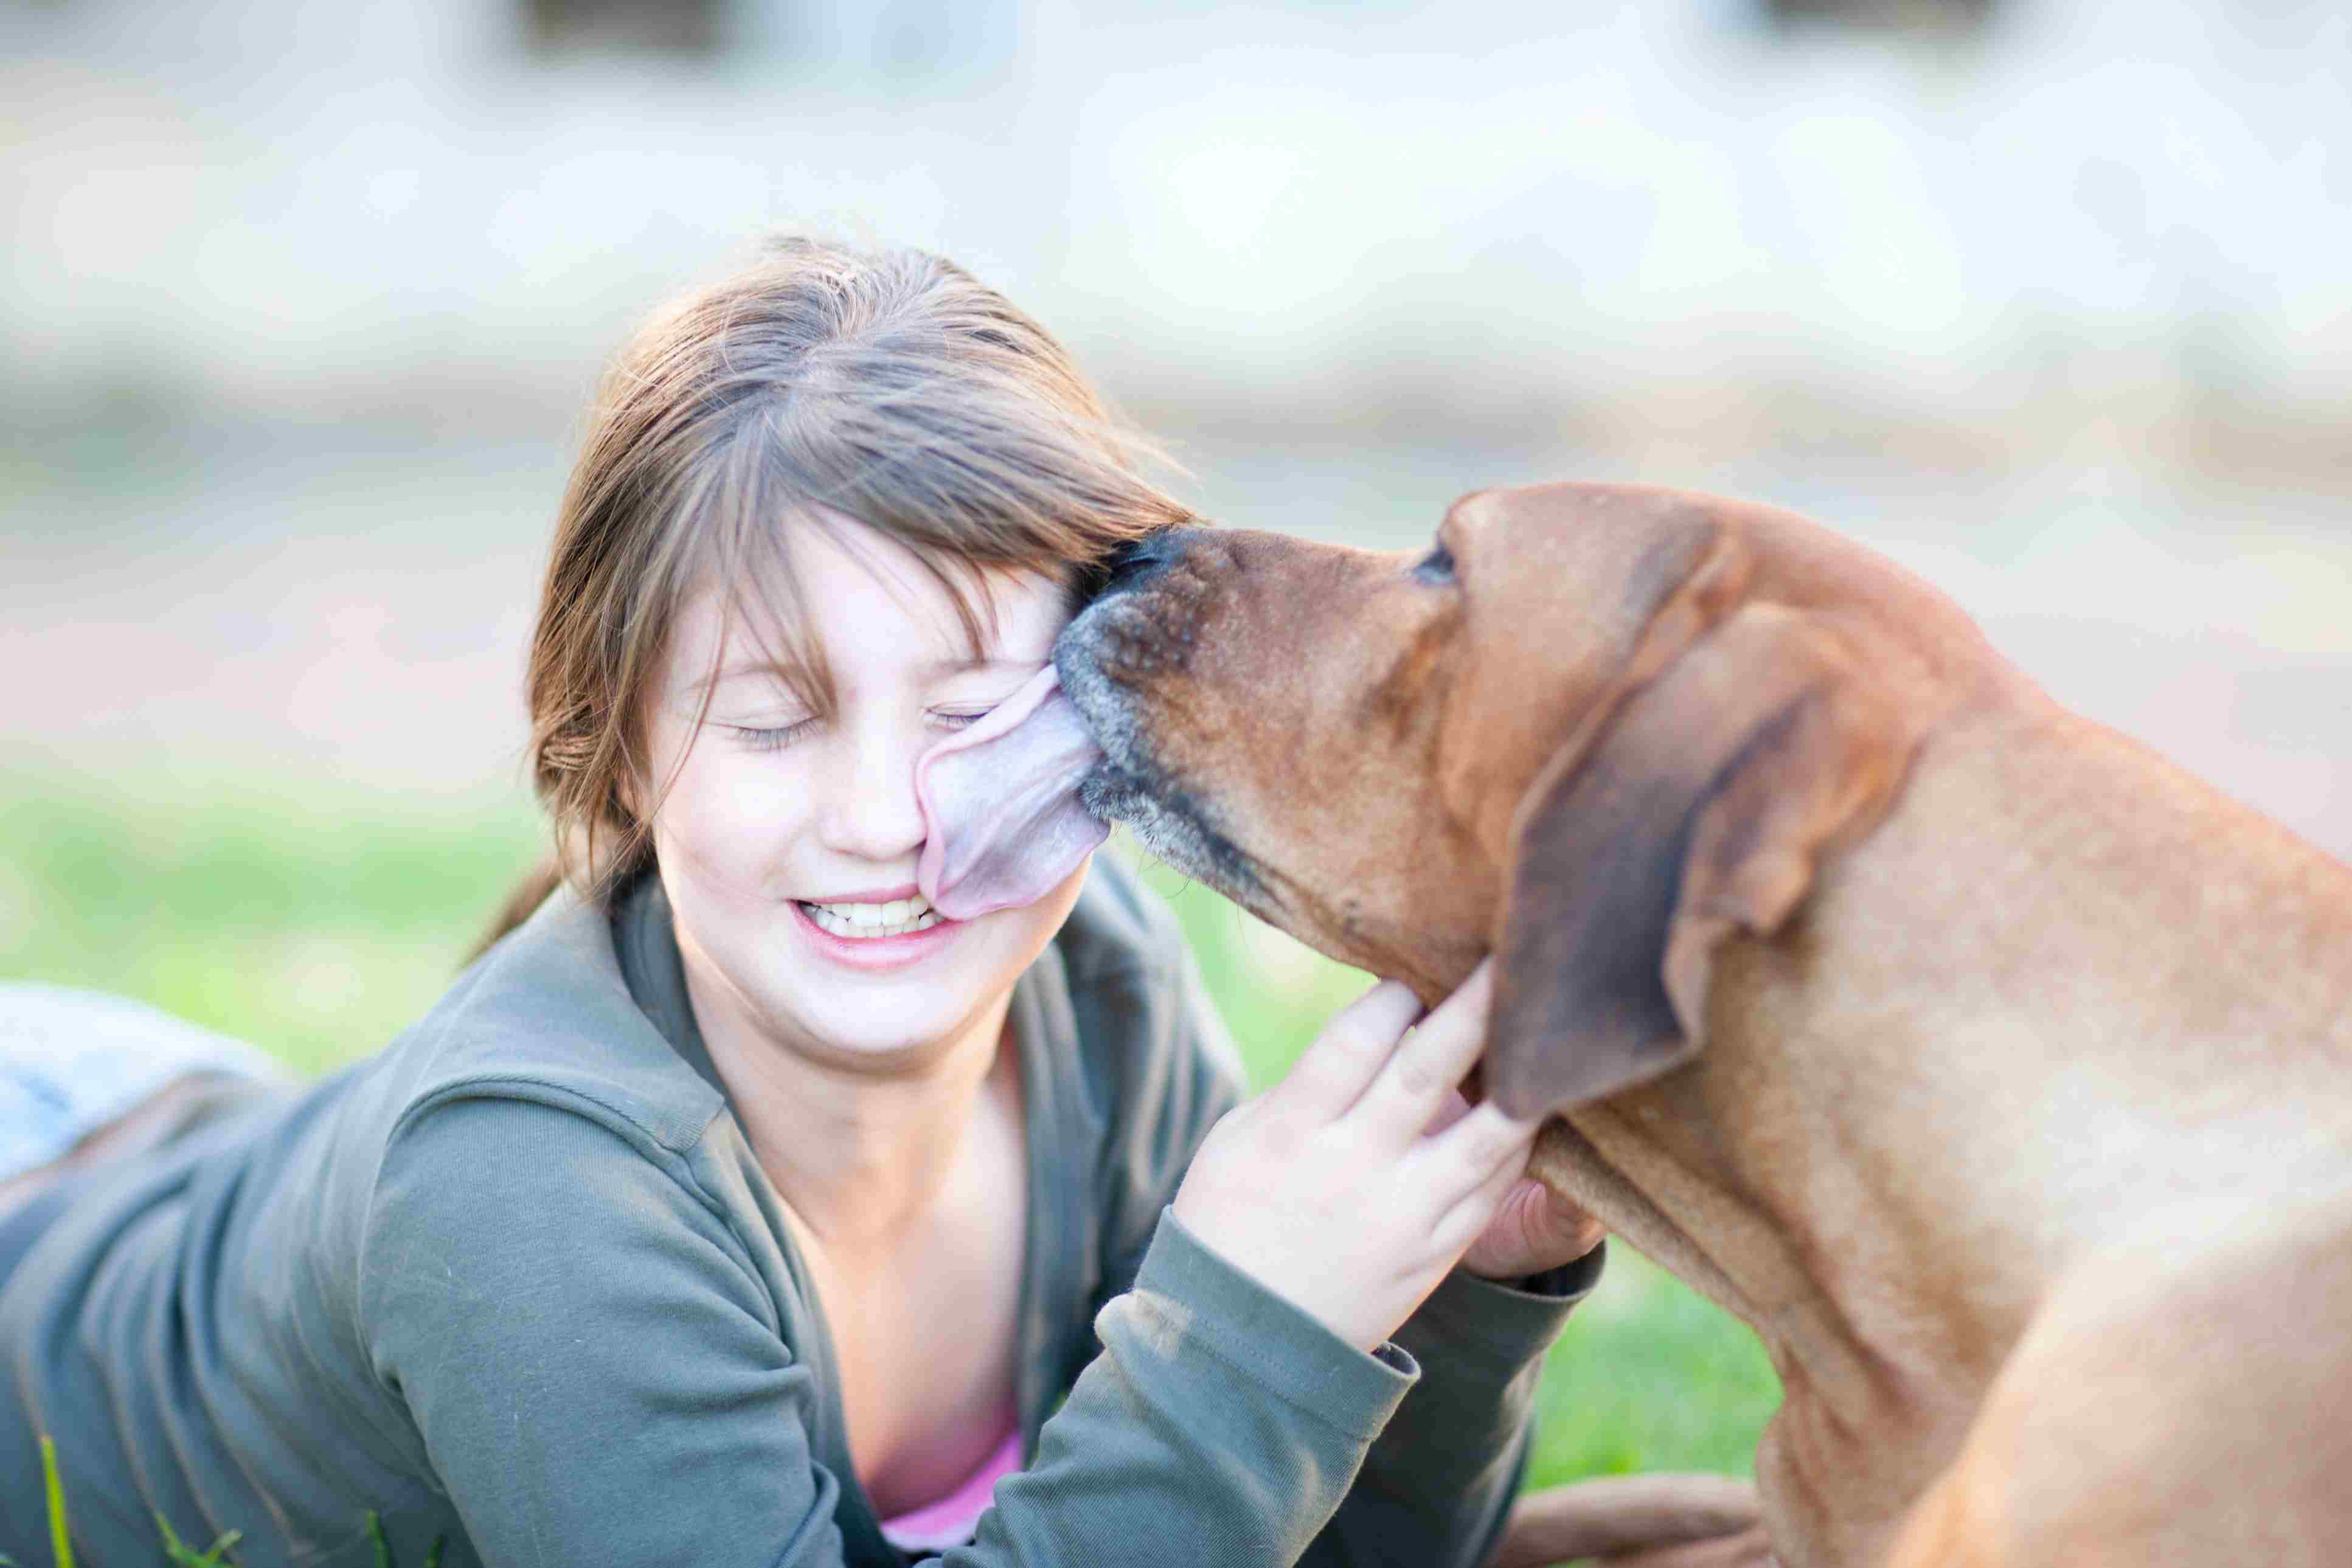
<point x="718" y="678"/>
<point x="935" y="667"/>
<point x="958" y="664"/>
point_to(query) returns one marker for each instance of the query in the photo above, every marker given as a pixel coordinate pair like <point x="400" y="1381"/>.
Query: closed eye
<point x="952" y="718"/>
<point x="1436" y="567"/>
<point x="773" y="739"/>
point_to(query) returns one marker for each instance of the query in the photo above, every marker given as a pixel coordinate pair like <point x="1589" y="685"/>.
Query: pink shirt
<point x="950" y="1520"/>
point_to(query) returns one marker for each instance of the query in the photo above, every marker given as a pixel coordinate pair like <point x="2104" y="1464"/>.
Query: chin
<point x="875" y="1021"/>
<point x="880" y="1035"/>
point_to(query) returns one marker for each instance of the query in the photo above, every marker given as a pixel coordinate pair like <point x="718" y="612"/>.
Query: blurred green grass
<point x="319" y="921"/>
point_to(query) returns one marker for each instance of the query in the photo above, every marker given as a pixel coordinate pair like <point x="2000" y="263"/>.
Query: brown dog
<point x="1990" y="1067"/>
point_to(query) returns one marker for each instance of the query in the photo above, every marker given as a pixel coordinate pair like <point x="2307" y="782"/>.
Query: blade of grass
<point x="177" y="1554"/>
<point x="60" y="1542"/>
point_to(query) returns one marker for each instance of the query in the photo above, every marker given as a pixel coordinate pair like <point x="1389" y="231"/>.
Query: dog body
<point x="1992" y="1069"/>
<point x="2063" y="1026"/>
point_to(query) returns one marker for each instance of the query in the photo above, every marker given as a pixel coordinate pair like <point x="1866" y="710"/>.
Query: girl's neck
<point x="858" y="1150"/>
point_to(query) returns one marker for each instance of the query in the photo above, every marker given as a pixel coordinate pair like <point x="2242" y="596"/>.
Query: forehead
<point x="838" y="595"/>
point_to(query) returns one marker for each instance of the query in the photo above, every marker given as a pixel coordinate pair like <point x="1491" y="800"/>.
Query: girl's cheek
<point x="760" y="800"/>
<point x="733" y="811"/>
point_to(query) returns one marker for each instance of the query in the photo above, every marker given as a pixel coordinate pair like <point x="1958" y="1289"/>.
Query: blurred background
<point x="2045" y="297"/>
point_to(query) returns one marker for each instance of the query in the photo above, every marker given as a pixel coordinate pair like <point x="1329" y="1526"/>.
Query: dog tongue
<point x="1002" y="822"/>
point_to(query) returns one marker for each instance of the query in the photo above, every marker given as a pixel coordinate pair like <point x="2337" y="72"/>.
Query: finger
<point x="1450" y="1110"/>
<point x="1573" y="1229"/>
<point x="1332" y="1072"/>
<point x="1467" y="1219"/>
<point x="1471" y="1151"/>
<point x="1433" y="1061"/>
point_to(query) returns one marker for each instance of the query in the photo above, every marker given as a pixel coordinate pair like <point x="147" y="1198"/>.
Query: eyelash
<point x="773" y="740"/>
<point x="777" y="739"/>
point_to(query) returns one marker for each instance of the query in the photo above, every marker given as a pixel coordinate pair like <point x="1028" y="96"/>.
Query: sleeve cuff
<point x="1514" y="1320"/>
<point x="1264" y="1339"/>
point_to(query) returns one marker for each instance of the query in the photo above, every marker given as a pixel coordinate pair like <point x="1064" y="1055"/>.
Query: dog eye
<point x="1437" y="566"/>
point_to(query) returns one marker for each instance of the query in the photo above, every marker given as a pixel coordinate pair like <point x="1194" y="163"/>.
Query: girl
<point x="738" y="1208"/>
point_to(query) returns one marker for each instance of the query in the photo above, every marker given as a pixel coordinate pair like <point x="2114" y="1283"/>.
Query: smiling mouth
<point x="867" y="922"/>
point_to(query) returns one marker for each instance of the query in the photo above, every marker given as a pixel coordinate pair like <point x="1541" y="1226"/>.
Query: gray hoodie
<point x="516" y="1281"/>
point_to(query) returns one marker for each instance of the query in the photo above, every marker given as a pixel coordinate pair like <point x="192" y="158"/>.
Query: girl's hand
<point x="1534" y="1229"/>
<point x="1346" y="1189"/>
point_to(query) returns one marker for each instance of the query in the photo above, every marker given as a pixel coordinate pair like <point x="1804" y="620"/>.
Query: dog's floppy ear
<point x="1697" y="808"/>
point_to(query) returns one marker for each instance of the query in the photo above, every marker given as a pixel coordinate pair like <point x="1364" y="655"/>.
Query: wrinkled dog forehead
<point x="1571" y="576"/>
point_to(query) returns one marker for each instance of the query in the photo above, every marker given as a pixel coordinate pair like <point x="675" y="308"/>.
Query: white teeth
<point x="894" y="917"/>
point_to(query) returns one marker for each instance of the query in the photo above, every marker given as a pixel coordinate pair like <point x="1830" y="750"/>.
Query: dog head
<point x="1593" y="730"/>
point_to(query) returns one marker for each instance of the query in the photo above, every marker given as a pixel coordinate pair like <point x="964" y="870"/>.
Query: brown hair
<point x="890" y="386"/>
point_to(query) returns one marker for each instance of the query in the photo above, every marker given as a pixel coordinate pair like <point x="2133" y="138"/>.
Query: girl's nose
<point x="872" y="813"/>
